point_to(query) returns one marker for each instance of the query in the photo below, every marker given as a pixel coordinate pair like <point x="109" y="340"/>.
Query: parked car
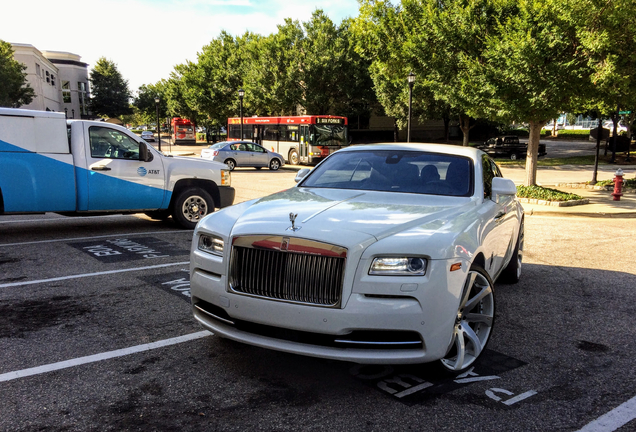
<point x="243" y="154"/>
<point x="148" y="136"/>
<point x="620" y="127"/>
<point x="383" y="253"/>
<point x="508" y="146"/>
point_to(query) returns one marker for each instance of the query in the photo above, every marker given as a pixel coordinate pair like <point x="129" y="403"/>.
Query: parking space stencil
<point x="128" y="249"/>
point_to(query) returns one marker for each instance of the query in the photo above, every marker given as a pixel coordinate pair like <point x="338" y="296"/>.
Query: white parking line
<point x="103" y="356"/>
<point x="95" y="237"/>
<point x="33" y="282"/>
<point x="616" y="418"/>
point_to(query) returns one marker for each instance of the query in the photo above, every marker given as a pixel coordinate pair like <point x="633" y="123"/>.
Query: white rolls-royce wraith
<point x="381" y="254"/>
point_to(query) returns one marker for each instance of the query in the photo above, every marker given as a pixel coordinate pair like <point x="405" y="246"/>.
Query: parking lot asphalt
<point x="95" y="336"/>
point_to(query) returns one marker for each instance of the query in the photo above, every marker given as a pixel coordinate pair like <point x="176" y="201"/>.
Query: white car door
<point x="117" y="179"/>
<point x="498" y="220"/>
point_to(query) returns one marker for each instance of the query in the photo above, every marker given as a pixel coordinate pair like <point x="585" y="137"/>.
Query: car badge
<point x="284" y="245"/>
<point x="292" y="219"/>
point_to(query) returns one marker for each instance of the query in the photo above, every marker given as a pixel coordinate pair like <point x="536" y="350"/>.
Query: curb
<point x="624" y="215"/>
<point x="554" y="203"/>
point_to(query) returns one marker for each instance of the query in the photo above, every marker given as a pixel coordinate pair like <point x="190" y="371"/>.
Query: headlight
<point x="211" y="244"/>
<point x="398" y="266"/>
<point x="225" y="178"/>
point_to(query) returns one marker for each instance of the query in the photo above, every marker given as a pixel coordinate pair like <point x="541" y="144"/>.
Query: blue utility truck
<point x="78" y="167"/>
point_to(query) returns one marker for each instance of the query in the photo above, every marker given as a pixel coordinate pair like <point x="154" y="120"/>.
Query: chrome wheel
<point x="274" y="164"/>
<point x="194" y="208"/>
<point x="473" y="323"/>
<point x="230" y="164"/>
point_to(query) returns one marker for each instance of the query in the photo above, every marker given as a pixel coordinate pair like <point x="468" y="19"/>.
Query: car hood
<point x="339" y="216"/>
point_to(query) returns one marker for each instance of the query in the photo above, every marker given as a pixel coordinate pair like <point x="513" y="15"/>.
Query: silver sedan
<point x="243" y="154"/>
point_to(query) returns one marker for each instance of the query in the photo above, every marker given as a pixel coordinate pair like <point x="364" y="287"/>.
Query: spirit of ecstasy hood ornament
<point x="292" y="219"/>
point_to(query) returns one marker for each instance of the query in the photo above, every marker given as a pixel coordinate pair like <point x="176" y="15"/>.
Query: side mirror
<point x="144" y="154"/>
<point x="502" y="187"/>
<point x="301" y="174"/>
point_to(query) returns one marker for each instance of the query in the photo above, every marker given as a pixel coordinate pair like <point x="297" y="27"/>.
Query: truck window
<point x="112" y="144"/>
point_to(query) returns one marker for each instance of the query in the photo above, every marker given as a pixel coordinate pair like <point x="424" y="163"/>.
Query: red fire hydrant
<point x="618" y="185"/>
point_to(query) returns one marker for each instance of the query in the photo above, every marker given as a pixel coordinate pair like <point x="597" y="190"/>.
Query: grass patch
<point x="627" y="183"/>
<point x="547" y="194"/>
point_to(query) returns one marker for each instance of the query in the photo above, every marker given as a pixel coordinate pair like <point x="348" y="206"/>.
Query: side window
<point x="256" y="148"/>
<point x="488" y="176"/>
<point x="112" y="144"/>
<point x="495" y="169"/>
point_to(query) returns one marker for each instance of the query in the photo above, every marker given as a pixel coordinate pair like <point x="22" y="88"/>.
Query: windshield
<point x="330" y="135"/>
<point x="395" y="171"/>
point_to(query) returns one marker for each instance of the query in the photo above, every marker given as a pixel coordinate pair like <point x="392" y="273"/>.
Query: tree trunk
<point x="464" y="125"/>
<point x="533" y="152"/>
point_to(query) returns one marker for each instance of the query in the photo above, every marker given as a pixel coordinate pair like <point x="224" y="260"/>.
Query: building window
<point x="83" y="97"/>
<point x="37" y="70"/>
<point x="53" y="80"/>
<point x="48" y="77"/>
<point x="66" y="92"/>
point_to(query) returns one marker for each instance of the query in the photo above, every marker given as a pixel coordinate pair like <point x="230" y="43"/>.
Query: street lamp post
<point x="241" y="93"/>
<point x="411" y="79"/>
<point x="157" y="100"/>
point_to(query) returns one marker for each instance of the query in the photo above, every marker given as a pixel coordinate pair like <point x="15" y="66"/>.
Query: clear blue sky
<point x="146" y="38"/>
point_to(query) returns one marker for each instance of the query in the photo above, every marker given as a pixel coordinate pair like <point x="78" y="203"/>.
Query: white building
<point x="59" y="79"/>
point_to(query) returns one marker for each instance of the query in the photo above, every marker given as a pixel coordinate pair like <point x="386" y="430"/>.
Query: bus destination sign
<point x="322" y="120"/>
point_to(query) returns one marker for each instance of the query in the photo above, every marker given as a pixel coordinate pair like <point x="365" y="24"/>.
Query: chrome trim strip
<point x="214" y="316"/>
<point x="377" y="343"/>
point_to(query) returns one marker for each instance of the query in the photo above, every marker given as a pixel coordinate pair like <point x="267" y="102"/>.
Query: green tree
<point x="145" y="101"/>
<point x="110" y="95"/>
<point x="14" y="90"/>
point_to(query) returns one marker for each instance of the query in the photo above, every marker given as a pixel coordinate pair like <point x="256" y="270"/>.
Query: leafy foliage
<point x="110" y="95"/>
<point x="547" y="194"/>
<point x="14" y="88"/>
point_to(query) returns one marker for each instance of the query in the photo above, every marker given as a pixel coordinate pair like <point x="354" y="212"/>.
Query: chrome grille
<point x="288" y="275"/>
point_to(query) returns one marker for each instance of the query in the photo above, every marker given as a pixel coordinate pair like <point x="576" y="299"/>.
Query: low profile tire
<point x="512" y="273"/>
<point x="274" y="164"/>
<point x="191" y="206"/>
<point x="293" y="157"/>
<point x="231" y="164"/>
<point x="473" y="322"/>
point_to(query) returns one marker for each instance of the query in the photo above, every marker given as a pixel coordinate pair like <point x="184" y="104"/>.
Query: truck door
<point x="117" y="179"/>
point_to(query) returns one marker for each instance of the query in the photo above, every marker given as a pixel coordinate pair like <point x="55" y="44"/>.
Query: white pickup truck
<point x="78" y="167"/>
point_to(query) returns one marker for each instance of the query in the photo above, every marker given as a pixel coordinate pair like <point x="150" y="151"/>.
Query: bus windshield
<point x="330" y="135"/>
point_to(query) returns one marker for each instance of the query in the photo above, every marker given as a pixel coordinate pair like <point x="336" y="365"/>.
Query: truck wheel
<point x="191" y="206"/>
<point x="231" y="164"/>
<point x="293" y="157"/>
<point x="513" y="156"/>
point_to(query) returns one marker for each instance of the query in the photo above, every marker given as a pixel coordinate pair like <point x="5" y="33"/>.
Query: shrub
<point x="547" y="194"/>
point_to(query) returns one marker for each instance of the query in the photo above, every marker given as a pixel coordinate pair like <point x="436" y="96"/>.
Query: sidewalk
<point x="601" y="201"/>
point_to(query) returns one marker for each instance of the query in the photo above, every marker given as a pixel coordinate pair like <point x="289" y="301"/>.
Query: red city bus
<point x="182" y="131"/>
<point x="300" y="139"/>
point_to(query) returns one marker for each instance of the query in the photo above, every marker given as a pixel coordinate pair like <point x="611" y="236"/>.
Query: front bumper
<point x="226" y="194"/>
<point x="408" y="327"/>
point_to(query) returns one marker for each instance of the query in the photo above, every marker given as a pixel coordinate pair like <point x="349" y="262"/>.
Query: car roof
<point x="452" y="149"/>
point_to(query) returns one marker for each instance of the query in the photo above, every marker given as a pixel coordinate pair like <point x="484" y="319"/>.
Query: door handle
<point x="100" y="168"/>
